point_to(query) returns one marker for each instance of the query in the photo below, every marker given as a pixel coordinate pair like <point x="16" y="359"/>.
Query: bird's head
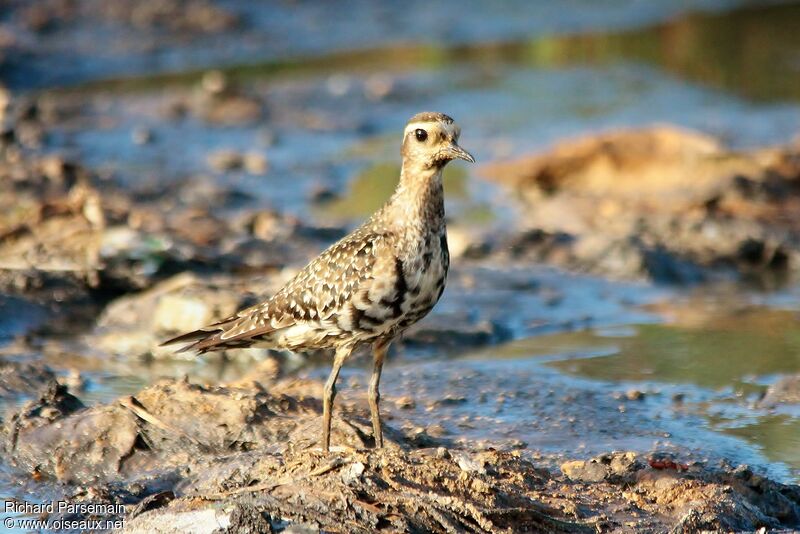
<point x="430" y="141"/>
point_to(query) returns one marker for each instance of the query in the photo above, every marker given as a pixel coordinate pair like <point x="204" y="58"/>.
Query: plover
<point x="368" y="287"/>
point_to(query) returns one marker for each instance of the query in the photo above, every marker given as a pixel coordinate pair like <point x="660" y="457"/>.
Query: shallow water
<point x="104" y="49"/>
<point x="513" y="89"/>
<point x="711" y="359"/>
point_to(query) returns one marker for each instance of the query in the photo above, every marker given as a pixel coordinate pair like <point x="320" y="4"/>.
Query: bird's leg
<point x="330" y="392"/>
<point x="379" y="350"/>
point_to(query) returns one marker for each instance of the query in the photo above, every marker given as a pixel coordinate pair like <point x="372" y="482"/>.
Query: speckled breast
<point x="426" y="275"/>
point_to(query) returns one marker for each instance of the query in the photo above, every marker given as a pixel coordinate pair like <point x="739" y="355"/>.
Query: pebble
<point x="256" y="163"/>
<point x="321" y="194"/>
<point x="436" y="430"/>
<point x="449" y="400"/>
<point x="405" y="403"/>
<point x="353" y="473"/>
<point x="73" y="380"/>
<point x="214" y="82"/>
<point x="142" y="136"/>
<point x="468" y="464"/>
<point x="584" y="471"/>
<point x="634" y="395"/>
<point x="225" y="160"/>
<point x="378" y="87"/>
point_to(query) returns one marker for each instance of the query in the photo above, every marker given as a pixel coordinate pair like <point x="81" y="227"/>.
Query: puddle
<point x="700" y="371"/>
<point x="99" y="46"/>
<point x="778" y="436"/>
<point x="522" y="403"/>
<point x="17" y="316"/>
<point x="724" y="351"/>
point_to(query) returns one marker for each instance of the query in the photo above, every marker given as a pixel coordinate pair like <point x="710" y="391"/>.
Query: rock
<point x="785" y="391"/>
<point x="271" y="225"/>
<point x="23" y="378"/>
<point x="353" y="473"/>
<point x="73" y="380"/>
<point x="301" y="529"/>
<point x="167" y="521"/>
<point x="142" y="136"/>
<point x="436" y="430"/>
<point x="634" y="395"/>
<point x="405" y="403"/>
<point x="152" y="502"/>
<point x="5" y="102"/>
<point x="467" y="463"/>
<point x="465" y="242"/>
<point x="455" y="330"/>
<point x="225" y="160"/>
<point x="57" y="436"/>
<point x="584" y="471"/>
<point x="214" y="82"/>
<point x="622" y="465"/>
<point x="378" y="86"/>
<point x="447" y="400"/>
<point x="615" y="467"/>
<point x="322" y="194"/>
<point x="196" y="16"/>
<point x="660" y="202"/>
<point x="255" y="163"/>
<point x="261" y="373"/>
<point x="247" y="519"/>
<point x="135" y="325"/>
<point x="182" y="312"/>
<point x="630" y="161"/>
<point x="230" y="109"/>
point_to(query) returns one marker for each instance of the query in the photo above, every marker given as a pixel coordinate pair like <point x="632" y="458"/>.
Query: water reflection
<point x="722" y="351"/>
<point x="728" y="349"/>
<point x="777" y="435"/>
<point x="751" y="52"/>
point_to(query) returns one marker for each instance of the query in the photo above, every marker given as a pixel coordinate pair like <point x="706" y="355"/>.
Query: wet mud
<point x="247" y="459"/>
<point x="669" y="204"/>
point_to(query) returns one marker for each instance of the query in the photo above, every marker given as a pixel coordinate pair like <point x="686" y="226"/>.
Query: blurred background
<point x="624" y="253"/>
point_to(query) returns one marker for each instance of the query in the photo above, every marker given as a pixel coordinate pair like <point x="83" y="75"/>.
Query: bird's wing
<point x="319" y="295"/>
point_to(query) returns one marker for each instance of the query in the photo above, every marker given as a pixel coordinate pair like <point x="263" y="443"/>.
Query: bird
<point x="368" y="287"/>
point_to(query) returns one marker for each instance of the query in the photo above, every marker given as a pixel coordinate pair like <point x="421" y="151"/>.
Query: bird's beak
<point x="454" y="151"/>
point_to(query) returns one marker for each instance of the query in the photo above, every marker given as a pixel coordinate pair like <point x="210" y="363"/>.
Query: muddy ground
<point x="247" y="461"/>
<point x="100" y="263"/>
<point x="661" y="202"/>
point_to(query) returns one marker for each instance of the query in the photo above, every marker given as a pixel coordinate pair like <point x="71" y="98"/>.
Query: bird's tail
<point x="194" y="338"/>
<point x="212" y="338"/>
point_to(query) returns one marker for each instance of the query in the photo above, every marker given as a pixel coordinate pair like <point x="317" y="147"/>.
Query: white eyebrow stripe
<point x="414" y="125"/>
<point x="450" y="129"/>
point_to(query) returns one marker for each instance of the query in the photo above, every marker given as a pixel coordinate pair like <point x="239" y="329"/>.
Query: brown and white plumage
<point x="369" y="286"/>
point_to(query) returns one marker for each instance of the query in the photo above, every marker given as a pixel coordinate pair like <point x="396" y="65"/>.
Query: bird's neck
<point x="418" y="201"/>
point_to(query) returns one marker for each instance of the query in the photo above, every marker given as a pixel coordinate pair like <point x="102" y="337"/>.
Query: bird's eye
<point x="420" y="134"/>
